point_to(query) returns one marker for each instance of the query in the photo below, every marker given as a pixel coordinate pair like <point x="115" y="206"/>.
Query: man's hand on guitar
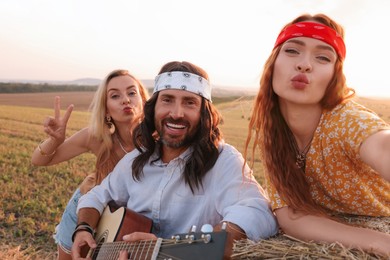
<point x="136" y="236"/>
<point x="123" y="255"/>
<point x="82" y="239"/>
<point x="133" y="237"/>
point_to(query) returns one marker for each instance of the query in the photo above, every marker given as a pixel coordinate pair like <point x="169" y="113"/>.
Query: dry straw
<point x="285" y="247"/>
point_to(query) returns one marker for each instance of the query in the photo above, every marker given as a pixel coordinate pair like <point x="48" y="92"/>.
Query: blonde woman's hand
<point x="55" y="126"/>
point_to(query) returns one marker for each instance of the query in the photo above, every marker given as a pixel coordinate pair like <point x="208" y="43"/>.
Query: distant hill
<point x="84" y="82"/>
<point x="220" y="91"/>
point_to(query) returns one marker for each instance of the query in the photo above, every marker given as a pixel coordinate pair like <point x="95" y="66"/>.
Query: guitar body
<point x="115" y="223"/>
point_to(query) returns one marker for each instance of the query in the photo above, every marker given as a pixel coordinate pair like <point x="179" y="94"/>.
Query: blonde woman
<point x="115" y="110"/>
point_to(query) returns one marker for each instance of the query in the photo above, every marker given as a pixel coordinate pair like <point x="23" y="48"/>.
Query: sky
<point x="73" y="39"/>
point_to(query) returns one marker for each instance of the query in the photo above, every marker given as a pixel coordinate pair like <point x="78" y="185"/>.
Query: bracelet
<point x="83" y="226"/>
<point x="43" y="153"/>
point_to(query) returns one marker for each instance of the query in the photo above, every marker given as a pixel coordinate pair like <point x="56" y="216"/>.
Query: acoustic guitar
<point x="114" y="223"/>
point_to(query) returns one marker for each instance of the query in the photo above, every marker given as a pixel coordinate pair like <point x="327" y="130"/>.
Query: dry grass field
<point x="33" y="198"/>
<point x="81" y="100"/>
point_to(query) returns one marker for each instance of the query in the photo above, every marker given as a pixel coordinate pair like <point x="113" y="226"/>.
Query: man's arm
<point x="82" y="238"/>
<point x="240" y="198"/>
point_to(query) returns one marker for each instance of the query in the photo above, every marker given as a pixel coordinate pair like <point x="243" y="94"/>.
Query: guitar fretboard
<point x="144" y="250"/>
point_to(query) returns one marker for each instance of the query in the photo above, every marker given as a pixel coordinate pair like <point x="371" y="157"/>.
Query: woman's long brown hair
<point x="270" y="133"/>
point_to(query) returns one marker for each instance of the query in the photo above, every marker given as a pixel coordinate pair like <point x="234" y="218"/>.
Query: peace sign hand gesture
<point x="55" y="126"/>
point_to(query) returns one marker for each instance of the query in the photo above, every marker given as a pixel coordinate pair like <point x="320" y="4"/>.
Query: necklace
<point x="300" y="155"/>
<point x="120" y="144"/>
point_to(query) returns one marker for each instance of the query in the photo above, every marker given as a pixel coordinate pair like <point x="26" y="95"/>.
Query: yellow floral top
<point x="338" y="179"/>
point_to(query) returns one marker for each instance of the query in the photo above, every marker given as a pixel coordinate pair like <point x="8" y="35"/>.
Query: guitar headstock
<point x="194" y="246"/>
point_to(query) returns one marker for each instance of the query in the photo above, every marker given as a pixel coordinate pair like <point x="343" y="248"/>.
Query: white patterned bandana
<point x="184" y="81"/>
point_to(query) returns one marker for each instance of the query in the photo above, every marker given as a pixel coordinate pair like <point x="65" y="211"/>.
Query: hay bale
<point x="285" y="247"/>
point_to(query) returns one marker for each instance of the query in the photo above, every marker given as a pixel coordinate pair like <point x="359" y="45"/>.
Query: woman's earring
<point x="111" y="126"/>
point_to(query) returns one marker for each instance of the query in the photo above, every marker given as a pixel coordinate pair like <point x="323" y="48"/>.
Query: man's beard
<point x="175" y="142"/>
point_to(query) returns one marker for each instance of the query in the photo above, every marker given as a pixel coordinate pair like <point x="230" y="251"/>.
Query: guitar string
<point x="107" y="248"/>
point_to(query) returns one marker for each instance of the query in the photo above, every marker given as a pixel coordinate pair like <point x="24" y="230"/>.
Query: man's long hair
<point x="204" y="144"/>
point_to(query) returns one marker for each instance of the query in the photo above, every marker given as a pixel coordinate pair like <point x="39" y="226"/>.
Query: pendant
<point x="301" y="161"/>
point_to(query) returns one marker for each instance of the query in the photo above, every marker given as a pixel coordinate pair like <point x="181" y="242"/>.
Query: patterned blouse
<point x="338" y="179"/>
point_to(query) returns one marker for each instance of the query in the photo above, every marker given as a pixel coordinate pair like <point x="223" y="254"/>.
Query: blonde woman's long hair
<point x="106" y="157"/>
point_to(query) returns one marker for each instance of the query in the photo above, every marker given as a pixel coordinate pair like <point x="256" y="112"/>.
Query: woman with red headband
<point x="323" y="154"/>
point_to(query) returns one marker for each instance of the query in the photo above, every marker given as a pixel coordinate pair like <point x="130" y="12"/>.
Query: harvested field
<point x="81" y="100"/>
<point x="34" y="198"/>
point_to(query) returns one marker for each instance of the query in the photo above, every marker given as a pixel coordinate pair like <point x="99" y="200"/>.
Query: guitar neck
<point x="194" y="246"/>
<point x="142" y="250"/>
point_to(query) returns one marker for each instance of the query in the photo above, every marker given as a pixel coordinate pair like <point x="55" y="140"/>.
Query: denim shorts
<point x="64" y="230"/>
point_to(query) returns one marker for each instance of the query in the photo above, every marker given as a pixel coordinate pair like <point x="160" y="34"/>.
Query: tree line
<point x="43" y="87"/>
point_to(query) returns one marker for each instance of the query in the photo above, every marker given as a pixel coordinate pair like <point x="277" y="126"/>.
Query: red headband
<point x="316" y="31"/>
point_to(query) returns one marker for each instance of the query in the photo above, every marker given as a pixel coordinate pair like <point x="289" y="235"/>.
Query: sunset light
<point x="68" y="40"/>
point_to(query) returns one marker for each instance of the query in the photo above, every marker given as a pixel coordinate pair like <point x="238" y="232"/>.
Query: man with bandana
<point x="182" y="174"/>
